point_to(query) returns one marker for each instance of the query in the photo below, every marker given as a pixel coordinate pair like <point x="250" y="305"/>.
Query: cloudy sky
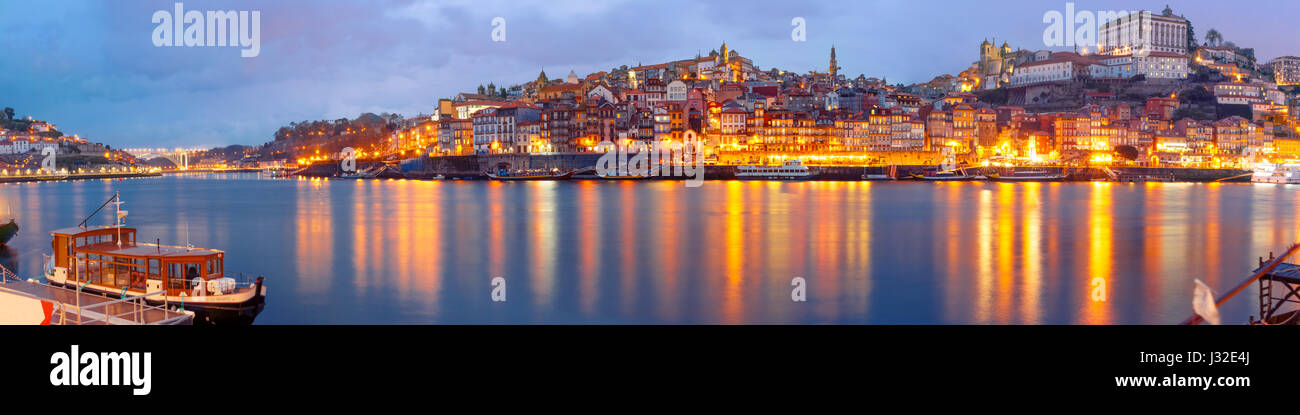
<point x="92" y="68"/>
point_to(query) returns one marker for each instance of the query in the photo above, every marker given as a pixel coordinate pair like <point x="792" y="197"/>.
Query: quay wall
<point x="474" y="166"/>
<point x="67" y="177"/>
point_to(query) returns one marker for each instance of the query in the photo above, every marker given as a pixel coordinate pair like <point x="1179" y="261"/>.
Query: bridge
<point x="178" y="156"/>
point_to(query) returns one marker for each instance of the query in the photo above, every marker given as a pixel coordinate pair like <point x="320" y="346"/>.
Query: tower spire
<point x="835" y="65"/>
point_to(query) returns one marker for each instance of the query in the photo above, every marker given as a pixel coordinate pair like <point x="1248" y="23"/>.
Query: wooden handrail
<point x="1196" y="318"/>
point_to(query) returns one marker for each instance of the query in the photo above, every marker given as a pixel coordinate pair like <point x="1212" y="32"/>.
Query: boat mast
<point x="121" y="217"/>
<point x="101" y="207"/>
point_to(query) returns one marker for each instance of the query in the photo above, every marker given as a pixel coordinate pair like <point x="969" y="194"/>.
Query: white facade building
<point x="1143" y="32"/>
<point x="1051" y="70"/>
<point x="676" y="91"/>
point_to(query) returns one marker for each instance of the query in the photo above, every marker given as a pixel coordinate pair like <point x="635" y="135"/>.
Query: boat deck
<point x="72" y="307"/>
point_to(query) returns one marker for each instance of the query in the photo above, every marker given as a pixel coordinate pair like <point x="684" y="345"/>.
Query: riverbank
<point x="474" y="167"/>
<point x="75" y="176"/>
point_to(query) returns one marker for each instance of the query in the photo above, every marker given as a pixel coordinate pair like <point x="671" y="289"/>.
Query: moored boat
<point x="529" y="175"/>
<point x="789" y="170"/>
<point x="947" y="175"/>
<point x="1276" y="173"/>
<point x="108" y="260"/>
<point x="1027" y="176"/>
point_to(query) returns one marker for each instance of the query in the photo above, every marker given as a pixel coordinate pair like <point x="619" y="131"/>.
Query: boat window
<point x="181" y="276"/>
<point x="154" y="268"/>
<point x="111" y="271"/>
<point x="175" y="277"/>
<point x="138" y="272"/>
<point x="92" y="271"/>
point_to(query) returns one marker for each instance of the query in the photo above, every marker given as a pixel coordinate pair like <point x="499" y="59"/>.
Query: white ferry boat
<point x="1276" y="173"/>
<point x="789" y="170"/>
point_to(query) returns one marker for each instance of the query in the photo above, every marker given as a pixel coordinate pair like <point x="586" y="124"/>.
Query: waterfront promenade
<point x="474" y="167"/>
<point x="46" y="177"/>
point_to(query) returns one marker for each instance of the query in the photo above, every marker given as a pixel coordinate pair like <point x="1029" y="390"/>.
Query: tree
<point x="1191" y="37"/>
<point x="1127" y="152"/>
<point x="1195" y="95"/>
<point x="9" y="113"/>
<point x="1213" y="37"/>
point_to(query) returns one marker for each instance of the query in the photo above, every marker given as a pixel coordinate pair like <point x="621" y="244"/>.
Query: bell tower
<point x="835" y="65"/>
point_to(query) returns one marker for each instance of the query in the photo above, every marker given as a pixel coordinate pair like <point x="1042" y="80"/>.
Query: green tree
<point x="1213" y="37"/>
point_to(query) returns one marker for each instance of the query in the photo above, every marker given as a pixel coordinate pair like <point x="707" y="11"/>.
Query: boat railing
<point x="134" y="313"/>
<point x="243" y="280"/>
<point x="167" y="246"/>
<point x="111" y="312"/>
<point x="7" y="276"/>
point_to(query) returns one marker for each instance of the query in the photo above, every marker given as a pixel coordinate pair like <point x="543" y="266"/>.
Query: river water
<point x="420" y="252"/>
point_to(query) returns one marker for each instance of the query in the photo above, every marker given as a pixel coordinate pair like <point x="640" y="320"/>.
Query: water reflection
<point x="658" y="252"/>
<point x="1100" y="278"/>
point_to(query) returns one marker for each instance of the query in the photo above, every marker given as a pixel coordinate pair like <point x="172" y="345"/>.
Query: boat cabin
<point x="112" y="257"/>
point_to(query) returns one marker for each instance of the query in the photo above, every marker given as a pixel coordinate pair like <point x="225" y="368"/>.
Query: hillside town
<point x="1170" y="100"/>
<point x="24" y="139"/>
<point x="1181" y="103"/>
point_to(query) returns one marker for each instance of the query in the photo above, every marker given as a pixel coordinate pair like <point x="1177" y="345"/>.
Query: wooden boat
<point x="529" y="176"/>
<point x="947" y="176"/>
<point x="790" y="170"/>
<point x="108" y="260"/>
<point x="1027" y="176"/>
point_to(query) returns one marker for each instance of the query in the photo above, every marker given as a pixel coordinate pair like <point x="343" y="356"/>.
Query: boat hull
<point x="565" y="176"/>
<point x="239" y="311"/>
<point x="1029" y="179"/>
<point x="777" y="178"/>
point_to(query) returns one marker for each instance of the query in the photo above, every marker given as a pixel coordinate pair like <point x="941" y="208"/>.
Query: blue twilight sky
<point x="92" y="68"/>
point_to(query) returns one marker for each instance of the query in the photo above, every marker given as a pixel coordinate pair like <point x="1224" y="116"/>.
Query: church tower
<point x="542" y="80"/>
<point x="835" y="66"/>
